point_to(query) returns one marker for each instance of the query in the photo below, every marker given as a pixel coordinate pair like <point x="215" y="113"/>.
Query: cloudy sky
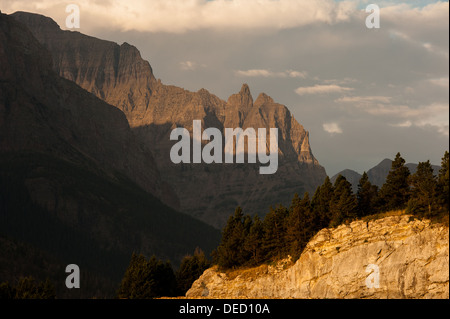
<point x="363" y="94"/>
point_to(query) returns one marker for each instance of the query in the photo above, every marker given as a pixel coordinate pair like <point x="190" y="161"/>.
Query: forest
<point x="284" y="231"/>
<point x="251" y="241"/>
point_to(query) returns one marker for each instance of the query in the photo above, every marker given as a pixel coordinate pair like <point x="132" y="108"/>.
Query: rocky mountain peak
<point x="263" y="98"/>
<point x="119" y="76"/>
<point x="245" y="90"/>
<point x="242" y="101"/>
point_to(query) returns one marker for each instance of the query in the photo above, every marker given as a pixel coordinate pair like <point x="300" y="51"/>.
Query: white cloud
<point x="435" y="115"/>
<point x="393" y="79"/>
<point x="442" y="82"/>
<point x="183" y="15"/>
<point x="402" y="124"/>
<point x="266" y="73"/>
<point x="322" y="89"/>
<point x="424" y="26"/>
<point x="363" y="99"/>
<point x="332" y="128"/>
<point x="188" y="65"/>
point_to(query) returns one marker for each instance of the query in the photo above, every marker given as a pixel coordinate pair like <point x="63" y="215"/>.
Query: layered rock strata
<point x="394" y="257"/>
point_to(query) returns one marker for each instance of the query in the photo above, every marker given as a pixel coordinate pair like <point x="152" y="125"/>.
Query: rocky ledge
<point x="393" y="257"/>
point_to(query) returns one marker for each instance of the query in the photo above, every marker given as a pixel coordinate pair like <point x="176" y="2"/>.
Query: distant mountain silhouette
<point x="352" y="176"/>
<point x="377" y="174"/>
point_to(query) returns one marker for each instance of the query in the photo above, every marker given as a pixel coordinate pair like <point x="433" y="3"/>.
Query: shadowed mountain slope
<point x="75" y="181"/>
<point x="118" y="75"/>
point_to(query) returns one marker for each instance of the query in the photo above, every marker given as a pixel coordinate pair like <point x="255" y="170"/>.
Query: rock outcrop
<point x="118" y="75"/>
<point x="411" y="257"/>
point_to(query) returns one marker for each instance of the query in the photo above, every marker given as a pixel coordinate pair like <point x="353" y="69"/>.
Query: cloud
<point x="266" y="73"/>
<point x="332" y="128"/>
<point x="183" y="15"/>
<point x="424" y="26"/>
<point x="363" y="99"/>
<point x="190" y="65"/>
<point x="398" y="115"/>
<point x="402" y="124"/>
<point x="390" y="84"/>
<point x="442" y="82"/>
<point x="322" y="89"/>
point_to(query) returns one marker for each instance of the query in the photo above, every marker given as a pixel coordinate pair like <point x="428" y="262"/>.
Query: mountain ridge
<point x="377" y="174"/>
<point x="154" y="109"/>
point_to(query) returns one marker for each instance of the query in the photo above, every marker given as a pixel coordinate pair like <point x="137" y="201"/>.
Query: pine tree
<point x="366" y="196"/>
<point x="132" y="280"/>
<point x="253" y="243"/>
<point x="394" y="193"/>
<point x="443" y="193"/>
<point x="423" y="190"/>
<point x="231" y="252"/>
<point x="191" y="268"/>
<point x="161" y="278"/>
<point x="274" y="225"/>
<point x="146" y="279"/>
<point x="343" y="203"/>
<point x="29" y="288"/>
<point x="301" y="225"/>
<point x="320" y="203"/>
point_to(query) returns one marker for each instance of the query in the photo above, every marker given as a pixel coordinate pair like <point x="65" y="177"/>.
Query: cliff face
<point x="70" y="164"/>
<point x="411" y="257"/>
<point x="118" y="75"/>
<point x="41" y="111"/>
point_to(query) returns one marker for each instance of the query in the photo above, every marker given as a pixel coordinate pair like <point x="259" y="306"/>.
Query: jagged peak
<point x="245" y="90"/>
<point x="203" y="91"/>
<point x="263" y="98"/>
<point x="243" y="98"/>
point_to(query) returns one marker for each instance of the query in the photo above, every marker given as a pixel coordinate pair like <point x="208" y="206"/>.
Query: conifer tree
<point x="145" y="279"/>
<point x="423" y="191"/>
<point x="301" y="225"/>
<point x="28" y="288"/>
<point x="191" y="268"/>
<point x="366" y="196"/>
<point x="253" y="243"/>
<point x="133" y="282"/>
<point x="231" y="251"/>
<point x="320" y="203"/>
<point x="274" y="225"/>
<point x="343" y="204"/>
<point x="443" y="193"/>
<point x="394" y="193"/>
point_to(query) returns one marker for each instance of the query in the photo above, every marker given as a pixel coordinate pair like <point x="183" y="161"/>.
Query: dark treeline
<point x="153" y="278"/>
<point x="27" y="288"/>
<point x="284" y="231"/>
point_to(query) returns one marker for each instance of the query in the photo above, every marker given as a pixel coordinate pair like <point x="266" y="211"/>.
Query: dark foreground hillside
<point x="65" y="192"/>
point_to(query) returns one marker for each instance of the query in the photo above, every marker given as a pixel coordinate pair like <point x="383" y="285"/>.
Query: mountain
<point x="76" y="183"/>
<point x="210" y="192"/>
<point x="350" y="175"/>
<point x="377" y="174"/>
<point x="395" y="257"/>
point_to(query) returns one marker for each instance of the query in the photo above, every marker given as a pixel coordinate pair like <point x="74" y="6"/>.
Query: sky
<point x="363" y="94"/>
